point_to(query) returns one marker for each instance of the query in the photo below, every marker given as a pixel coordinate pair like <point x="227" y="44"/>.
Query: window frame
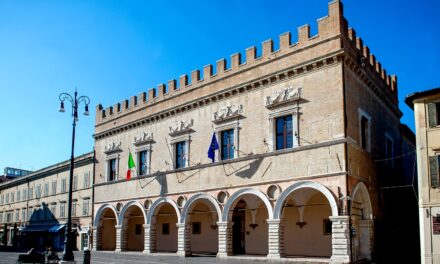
<point x="138" y="151"/>
<point x="364" y="114"/>
<point x="292" y="110"/>
<point x="389" y="156"/>
<point x="109" y="159"/>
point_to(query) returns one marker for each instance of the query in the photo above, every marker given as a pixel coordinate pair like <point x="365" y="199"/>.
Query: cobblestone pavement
<point x="137" y="258"/>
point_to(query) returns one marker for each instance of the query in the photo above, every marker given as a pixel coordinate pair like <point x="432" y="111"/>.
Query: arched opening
<point x="164" y="222"/>
<point x="106" y="236"/>
<point x="202" y="220"/>
<point x="306" y="225"/>
<point x="361" y="221"/>
<point x="133" y="229"/>
<point x="250" y="229"/>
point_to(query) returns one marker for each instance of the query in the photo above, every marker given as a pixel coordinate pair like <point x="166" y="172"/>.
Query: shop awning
<point x="56" y="228"/>
<point x="37" y="228"/>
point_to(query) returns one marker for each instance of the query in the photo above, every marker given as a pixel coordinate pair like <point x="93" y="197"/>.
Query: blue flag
<point x="213" y="147"/>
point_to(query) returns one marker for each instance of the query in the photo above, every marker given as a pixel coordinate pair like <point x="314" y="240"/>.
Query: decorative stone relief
<point x="143" y="138"/>
<point x="181" y="126"/>
<point x="282" y="96"/>
<point x="112" y="147"/>
<point x="227" y="112"/>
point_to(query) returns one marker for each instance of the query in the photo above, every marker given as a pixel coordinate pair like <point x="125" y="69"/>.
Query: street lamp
<point x="68" y="253"/>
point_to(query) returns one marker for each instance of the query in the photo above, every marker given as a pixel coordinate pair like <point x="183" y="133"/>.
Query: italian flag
<point x="130" y="166"/>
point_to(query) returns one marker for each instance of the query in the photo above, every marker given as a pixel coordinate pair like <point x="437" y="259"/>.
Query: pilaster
<point x="224" y="239"/>
<point x="118" y="238"/>
<point x="147" y="241"/>
<point x="340" y="239"/>
<point x="96" y="238"/>
<point x="366" y="234"/>
<point x="183" y="241"/>
<point x="274" y="238"/>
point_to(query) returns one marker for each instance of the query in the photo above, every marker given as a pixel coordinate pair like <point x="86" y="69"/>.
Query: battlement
<point x="331" y="26"/>
<point x="368" y="58"/>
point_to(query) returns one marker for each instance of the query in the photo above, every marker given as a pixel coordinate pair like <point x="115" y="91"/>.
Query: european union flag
<point x="213" y="147"/>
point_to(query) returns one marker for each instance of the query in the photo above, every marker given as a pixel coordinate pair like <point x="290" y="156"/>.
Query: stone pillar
<point x="183" y="240"/>
<point x="224" y="239"/>
<point x="340" y="239"/>
<point x="366" y="238"/>
<point x="274" y="238"/>
<point x="147" y="241"/>
<point x="118" y="238"/>
<point x="96" y="238"/>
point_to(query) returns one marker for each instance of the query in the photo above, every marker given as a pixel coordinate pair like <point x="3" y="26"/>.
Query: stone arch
<point x="196" y="197"/>
<point x="305" y="184"/>
<point x="157" y="204"/>
<point x="102" y="209"/>
<point x="126" y="206"/>
<point x="239" y="193"/>
<point x="361" y="189"/>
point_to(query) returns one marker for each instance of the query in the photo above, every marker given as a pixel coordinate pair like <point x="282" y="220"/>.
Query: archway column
<point x="118" y="238"/>
<point x="340" y="239"/>
<point x="224" y="239"/>
<point x="274" y="238"/>
<point x="366" y="232"/>
<point x="147" y="239"/>
<point x="96" y="238"/>
<point x="183" y="242"/>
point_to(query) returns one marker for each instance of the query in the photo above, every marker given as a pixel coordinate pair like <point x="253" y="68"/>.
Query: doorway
<point x="238" y="229"/>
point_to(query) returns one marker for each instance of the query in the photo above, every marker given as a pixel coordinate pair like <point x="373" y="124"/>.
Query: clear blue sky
<point x="112" y="50"/>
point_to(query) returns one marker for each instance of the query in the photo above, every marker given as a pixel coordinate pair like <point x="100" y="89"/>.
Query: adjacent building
<point x="33" y="208"/>
<point x="426" y="106"/>
<point x="294" y="137"/>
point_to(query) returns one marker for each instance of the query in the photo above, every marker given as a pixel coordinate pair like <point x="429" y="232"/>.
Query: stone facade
<point x="426" y="106"/>
<point x="39" y="207"/>
<point x="298" y="129"/>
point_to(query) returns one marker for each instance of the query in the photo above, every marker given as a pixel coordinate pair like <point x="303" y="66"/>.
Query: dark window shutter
<point x="432" y="115"/>
<point x="433" y="171"/>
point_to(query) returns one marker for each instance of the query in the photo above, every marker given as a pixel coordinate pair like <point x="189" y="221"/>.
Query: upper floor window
<point x="434" y="162"/>
<point x="54" y="187"/>
<point x="38" y="191"/>
<point x="227" y="144"/>
<point x="389" y="150"/>
<point x="18" y="196"/>
<point x="12" y="197"/>
<point x="25" y="194"/>
<point x="53" y="210"/>
<point x="46" y="189"/>
<point x="86" y="204"/>
<point x="31" y="193"/>
<point x="63" y="185"/>
<point x="434" y="114"/>
<point x="364" y="130"/>
<point x="7" y="198"/>
<point x="86" y="182"/>
<point x="143" y="161"/>
<point x="111" y="169"/>
<point x="62" y="210"/>
<point x="23" y="214"/>
<point x="284" y="132"/>
<point x="74" y="205"/>
<point x="180" y="156"/>
<point x="75" y="182"/>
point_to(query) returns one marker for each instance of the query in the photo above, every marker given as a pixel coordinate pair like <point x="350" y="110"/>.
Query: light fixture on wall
<point x="301" y="224"/>
<point x="214" y="226"/>
<point x="253" y="226"/>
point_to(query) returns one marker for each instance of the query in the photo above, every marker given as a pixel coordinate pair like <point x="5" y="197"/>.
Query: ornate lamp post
<point x="68" y="253"/>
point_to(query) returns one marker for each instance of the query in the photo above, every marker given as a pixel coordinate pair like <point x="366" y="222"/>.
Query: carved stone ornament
<point x="143" y="138"/>
<point x="283" y="96"/>
<point x="112" y="147"/>
<point x="181" y="126"/>
<point x="227" y="112"/>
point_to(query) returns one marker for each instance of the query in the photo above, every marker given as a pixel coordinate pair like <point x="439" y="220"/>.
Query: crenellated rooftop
<point x="330" y="27"/>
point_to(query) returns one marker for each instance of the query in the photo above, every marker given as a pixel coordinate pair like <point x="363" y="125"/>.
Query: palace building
<point x="33" y="207"/>
<point x="293" y="172"/>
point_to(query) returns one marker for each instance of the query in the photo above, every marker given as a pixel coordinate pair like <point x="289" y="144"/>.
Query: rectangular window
<point x="46" y="189"/>
<point x="138" y="229"/>
<point x="12" y="197"/>
<point x="7" y="198"/>
<point x="86" y="182"/>
<point x="196" y="228"/>
<point x="75" y="182"/>
<point x="1" y="217"/>
<point x="53" y="211"/>
<point x="85" y="210"/>
<point x="227" y="144"/>
<point x="180" y="155"/>
<point x="143" y="162"/>
<point x="63" y="185"/>
<point x="31" y="193"/>
<point x="30" y="211"/>
<point x="327" y="224"/>
<point x="23" y="214"/>
<point x="364" y="132"/>
<point x="25" y="194"/>
<point x="112" y="170"/>
<point x="18" y="196"/>
<point x="54" y="187"/>
<point x="38" y="191"/>
<point x="74" y="204"/>
<point x="2" y="199"/>
<point x="62" y="210"/>
<point x="433" y="114"/>
<point x="389" y="151"/>
<point x="17" y="215"/>
<point x="434" y="171"/>
<point x="284" y="132"/>
<point x="165" y="229"/>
